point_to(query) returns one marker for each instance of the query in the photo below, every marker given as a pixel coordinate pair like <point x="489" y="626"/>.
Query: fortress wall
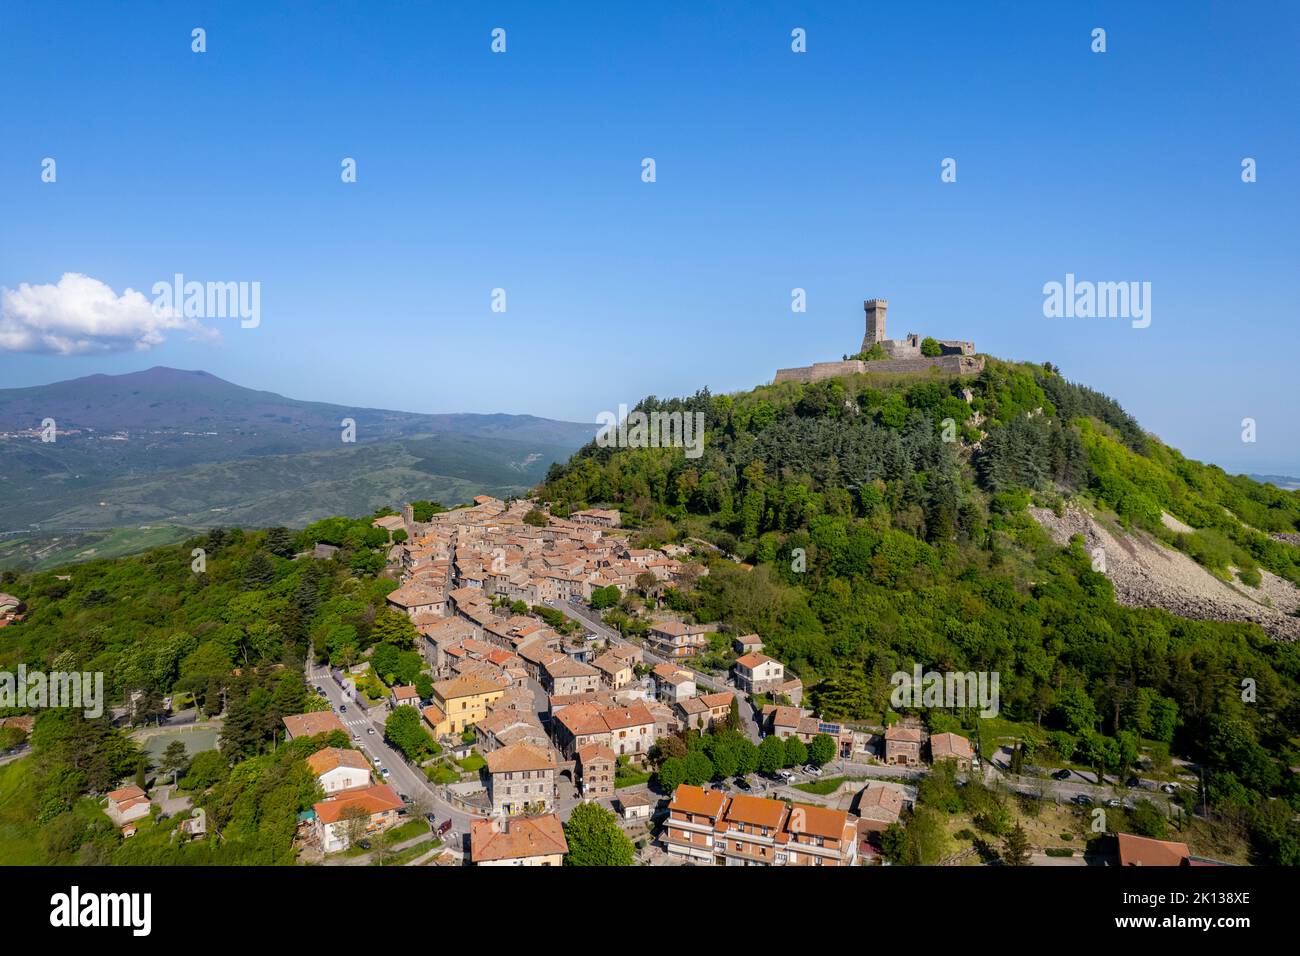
<point x="952" y="364"/>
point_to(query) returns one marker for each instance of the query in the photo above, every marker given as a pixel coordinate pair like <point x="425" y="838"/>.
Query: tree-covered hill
<point x="880" y="521"/>
<point x="227" y="632"/>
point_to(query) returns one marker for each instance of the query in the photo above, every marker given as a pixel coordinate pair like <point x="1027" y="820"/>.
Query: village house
<point x="338" y="769"/>
<point x="404" y="695"/>
<point x="562" y="675"/>
<point x="600" y="517"/>
<point x="747" y="834"/>
<point x="757" y="673"/>
<point x="364" y="809"/>
<point x="634" y="806"/>
<point x="672" y="683"/>
<point x="127" y="805"/>
<point x="518" y="841"/>
<point x="521" y="779"/>
<point x="462" y="701"/>
<point x="781" y="722"/>
<point x="624" y="730"/>
<point x="674" y="639"/>
<point x="903" y="745"/>
<point x="748" y="644"/>
<point x="309" y="725"/>
<point x="415" y="599"/>
<point x="701" y="713"/>
<point x="879" y="805"/>
<point x="694" y="815"/>
<point x="595" y="769"/>
<point x="504" y="726"/>
<point x="951" y="747"/>
<point x="615" y="670"/>
<point x="817" y="836"/>
<point x="436" y="638"/>
<point x="12" y="610"/>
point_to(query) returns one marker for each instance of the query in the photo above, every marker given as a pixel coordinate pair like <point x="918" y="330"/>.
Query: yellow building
<point x="461" y="702"/>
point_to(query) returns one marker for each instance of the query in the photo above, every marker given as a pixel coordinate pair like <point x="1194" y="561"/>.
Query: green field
<point x="41" y="552"/>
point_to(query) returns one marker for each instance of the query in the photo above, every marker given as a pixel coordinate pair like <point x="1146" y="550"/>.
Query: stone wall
<point x="953" y="364"/>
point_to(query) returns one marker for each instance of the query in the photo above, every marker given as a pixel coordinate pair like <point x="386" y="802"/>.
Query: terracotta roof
<point x="1143" y="851"/>
<point x="414" y="595"/>
<point x="516" y="838"/>
<point x="309" y="725"/>
<point x="757" y="811"/>
<point x="373" y="799"/>
<point x="564" y="666"/>
<point x="594" y="752"/>
<point x="672" y="674"/>
<point x="911" y="735"/>
<point x="880" y="801"/>
<point x="748" y="640"/>
<point x="519" y="757"/>
<point x="130" y="792"/>
<point x="817" y="821"/>
<point x="433" y="715"/>
<point x="689" y="799"/>
<point x="466" y="685"/>
<point x="949" y="745"/>
<point x="323" y="761"/>
<point x="405" y="692"/>
<point x="754" y="659"/>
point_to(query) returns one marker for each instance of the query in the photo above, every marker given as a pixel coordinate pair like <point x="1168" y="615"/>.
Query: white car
<point x="384" y="772"/>
<point x="787" y="775"/>
<point x="815" y="771"/>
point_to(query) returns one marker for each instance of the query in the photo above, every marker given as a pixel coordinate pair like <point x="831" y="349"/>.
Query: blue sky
<point x="775" y="170"/>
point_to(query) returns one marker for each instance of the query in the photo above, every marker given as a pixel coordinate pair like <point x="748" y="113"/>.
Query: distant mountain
<point x="1285" y="482"/>
<point x="189" y="448"/>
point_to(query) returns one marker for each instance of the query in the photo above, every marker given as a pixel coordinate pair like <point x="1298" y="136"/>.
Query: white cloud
<point x="81" y="314"/>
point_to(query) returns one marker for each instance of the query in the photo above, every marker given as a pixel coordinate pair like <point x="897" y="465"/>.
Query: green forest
<point x="877" y="521"/>
<point x="224" y="621"/>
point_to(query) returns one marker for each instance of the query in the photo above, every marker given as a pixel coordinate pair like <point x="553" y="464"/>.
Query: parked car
<point x="320" y="690"/>
<point x="446" y="825"/>
<point x="404" y="798"/>
<point x="743" y="784"/>
<point x="1083" y="800"/>
<point x="364" y="844"/>
<point x="1169" y="787"/>
<point x="1133" y="782"/>
<point x="815" y="771"/>
<point x="1114" y="802"/>
<point x="385" y="772"/>
<point x="787" y="775"/>
<point x="1061" y="774"/>
<point x="433" y="822"/>
<point x="343" y="708"/>
<point x="371" y="730"/>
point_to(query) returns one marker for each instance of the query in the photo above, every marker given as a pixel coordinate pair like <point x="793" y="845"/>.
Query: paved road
<point x="405" y="778"/>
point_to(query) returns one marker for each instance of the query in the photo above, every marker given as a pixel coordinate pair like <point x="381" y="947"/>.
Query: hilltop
<point x="877" y="521"/>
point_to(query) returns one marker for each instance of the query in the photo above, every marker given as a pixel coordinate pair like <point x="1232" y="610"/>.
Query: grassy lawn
<point x="441" y="773"/>
<point x="403" y="857"/>
<point x="407" y="830"/>
<point x="626" y="775"/>
<point x="19" y="841"/>
<point x="473" y="763"/>
<point x="827" y="785"/>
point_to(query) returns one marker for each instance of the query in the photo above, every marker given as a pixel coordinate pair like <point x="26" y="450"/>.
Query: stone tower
<point x="875" y="309"/>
